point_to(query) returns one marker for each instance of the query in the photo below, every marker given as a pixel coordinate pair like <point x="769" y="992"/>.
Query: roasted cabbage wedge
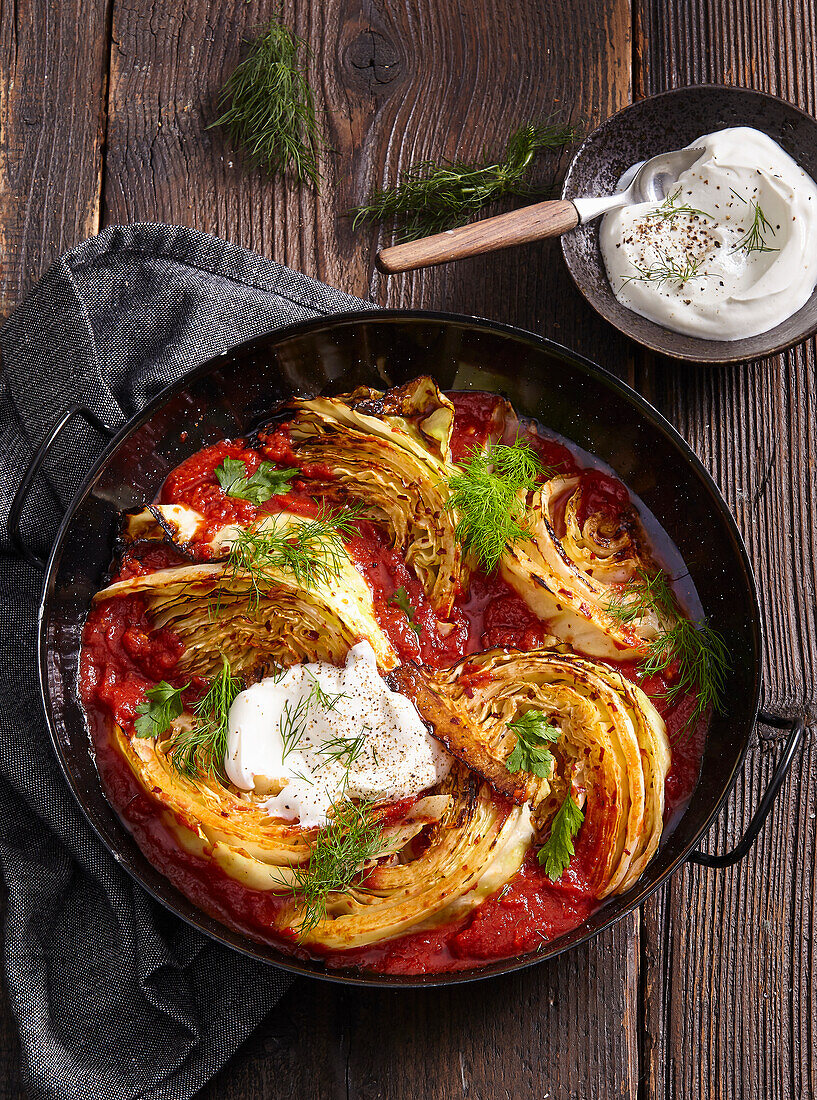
<point x="219" y="611"/>
<point x="389" y="454"/>
<point x="613" y="750"/>
<point x="571" y="581"/>
<point x="475" y="846"/>
<point x="483" y="746"/>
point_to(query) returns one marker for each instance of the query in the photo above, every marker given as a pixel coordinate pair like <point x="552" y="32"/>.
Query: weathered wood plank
<point x="398" y="83"/>
<point x="53" y="64"/>
<point x="727" y="957"/>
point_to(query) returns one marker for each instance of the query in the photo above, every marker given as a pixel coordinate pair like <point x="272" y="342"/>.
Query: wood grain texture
<point x="53" y="71"/>
<point x="727" y="964"/>
<point x="397" y="83"/>
<point x="547" y="1033"/>
<point x="53" y="62"/>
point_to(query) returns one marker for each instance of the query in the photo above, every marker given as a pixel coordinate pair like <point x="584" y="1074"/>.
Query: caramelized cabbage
<point x="569" y="582"/>
<point x="484" y="745"/>
<point x="215" y="609"/>
<point x="613" y="752"/>
<point x="474" y="847"/>
<point x="389" y="454"/>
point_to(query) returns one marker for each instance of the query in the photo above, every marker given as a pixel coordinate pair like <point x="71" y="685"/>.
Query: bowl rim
<point x="241" y="942"/>
<point x="655" y="344"/>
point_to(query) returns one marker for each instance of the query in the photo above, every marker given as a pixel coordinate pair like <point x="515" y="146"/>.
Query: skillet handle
<point x="40" y="455"/>
<point x="797" y="726"/>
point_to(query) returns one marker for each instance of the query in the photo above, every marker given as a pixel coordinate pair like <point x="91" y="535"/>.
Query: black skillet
<point x="230" y="394"/>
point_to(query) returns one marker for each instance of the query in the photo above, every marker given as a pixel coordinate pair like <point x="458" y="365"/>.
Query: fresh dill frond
<point x="268" y="106"/>
<point x="401" y="599"/>
<point x="534" y="732"/>
<point x="201" y="749"/>
<point x="318" y="693"/>
<point x="352" y="839"/>
<point x="754" y="239"/>
<point x="557" y="851"/>
<point x="292" y="724"/>
<point x="259" y="487"/>
<point x="672" y="208"/>
<point x="344" y="749"/>
<point x="488" y="492"/>
<point x="429" y="197"/>
<point x="695" y="655"/>
<point x="702" y="660"/>
<point x="161" y="705"/>
<point x="312" y="552"/>
<point x="667" y="269"/>
<point x="647" y="592"/>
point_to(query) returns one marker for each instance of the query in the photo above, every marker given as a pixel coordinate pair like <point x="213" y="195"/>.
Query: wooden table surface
<point x="708" y="990"/>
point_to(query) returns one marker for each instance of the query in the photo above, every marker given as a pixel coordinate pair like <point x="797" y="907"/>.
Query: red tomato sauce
<point x="122" y="656"/>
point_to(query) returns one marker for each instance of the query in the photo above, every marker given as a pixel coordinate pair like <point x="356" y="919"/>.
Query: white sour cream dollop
<point x="749" y="254"/>
<point x="353" y="737"/>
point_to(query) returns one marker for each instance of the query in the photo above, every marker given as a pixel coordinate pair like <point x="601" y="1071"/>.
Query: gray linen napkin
<point x="114" y="997"/>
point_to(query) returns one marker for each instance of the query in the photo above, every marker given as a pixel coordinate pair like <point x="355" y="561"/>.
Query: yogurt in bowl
<point x="732" y="250"/>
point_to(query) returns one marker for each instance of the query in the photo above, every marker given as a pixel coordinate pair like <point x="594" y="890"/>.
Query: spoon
<point x="645" y="182"/>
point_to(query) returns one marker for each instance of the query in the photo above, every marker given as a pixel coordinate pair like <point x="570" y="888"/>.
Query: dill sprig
<point x="557" y="851"/>
<point x="534" y="732"/>
<point x="268" y="107"/>
<point x="312" y="551"/>
<point x="346" y="750"/>
<point x="694" y="654"/>
<point x="648" y="592"/>
<point x="353" y="837"/>
<point x="201" y="749"/>
<point x="667" y="269"/>
<point x="429" y="198"/>
<point x="672" y="208"/>
<point x="754" y="239"/>
<point x="318" y="693"/>
<point x="292" y="725"/>
<point x="488" y="492"/>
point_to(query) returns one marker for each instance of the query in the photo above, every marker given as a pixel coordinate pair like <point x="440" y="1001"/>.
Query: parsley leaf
<point x="400" y="599"/>
<point x="530" y="754"/>
<point x="266" y="482"/>
<point x="161" y="705"/>
<point x="557" y="851"/>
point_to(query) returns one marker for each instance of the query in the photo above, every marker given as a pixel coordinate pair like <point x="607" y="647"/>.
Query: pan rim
<point x="224" y="934"/>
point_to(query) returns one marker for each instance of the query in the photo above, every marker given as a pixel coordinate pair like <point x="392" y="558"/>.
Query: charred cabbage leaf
<point x="261" y="618"/>
<point x="612" y="752"/>
<point x="570" y="581"/>
<point x="390" y="455"/>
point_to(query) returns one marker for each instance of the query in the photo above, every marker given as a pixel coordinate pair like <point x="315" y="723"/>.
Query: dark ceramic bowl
<point x="655" y="125"/>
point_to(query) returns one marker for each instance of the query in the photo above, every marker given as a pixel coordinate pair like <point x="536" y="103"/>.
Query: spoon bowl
<point x="649" y="181"/>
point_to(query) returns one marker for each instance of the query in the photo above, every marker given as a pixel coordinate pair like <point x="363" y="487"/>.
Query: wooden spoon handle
<point x="530" y="223"/>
